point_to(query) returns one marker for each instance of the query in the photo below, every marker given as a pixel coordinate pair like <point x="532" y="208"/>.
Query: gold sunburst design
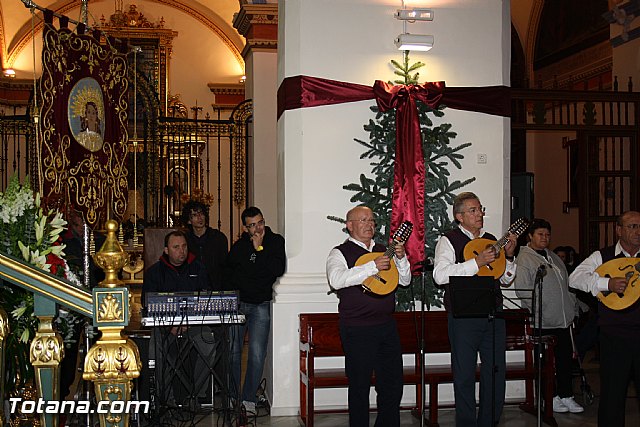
<point x="83" y="96"/>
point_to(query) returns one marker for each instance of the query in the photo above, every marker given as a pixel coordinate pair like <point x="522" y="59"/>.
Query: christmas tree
<point x="376" y="191"/>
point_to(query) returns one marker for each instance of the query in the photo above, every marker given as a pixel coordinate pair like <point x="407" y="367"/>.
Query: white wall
<point x="352" y="41"/>
<point x="261" y="88"/>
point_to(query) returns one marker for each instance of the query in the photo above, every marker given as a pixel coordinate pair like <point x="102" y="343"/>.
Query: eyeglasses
<point x="474" y="211"/>
<point x="364" y="221"/>
<point x="253" y="224"/>
<point x="632" y="226"/>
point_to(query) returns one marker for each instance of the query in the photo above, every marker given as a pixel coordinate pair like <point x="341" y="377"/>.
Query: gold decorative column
<point x="46" y="353"/>
<point x="4" y="332"/>
<point x="113" y="361"/>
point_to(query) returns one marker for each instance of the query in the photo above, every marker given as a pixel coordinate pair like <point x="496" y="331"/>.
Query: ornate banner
<point x="83" y="100"/>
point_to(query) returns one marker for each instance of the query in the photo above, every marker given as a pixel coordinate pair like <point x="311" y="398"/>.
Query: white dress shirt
<point x="585" y="278"/>
<point x="445" y="264"/>
<point x="341" y="276"/>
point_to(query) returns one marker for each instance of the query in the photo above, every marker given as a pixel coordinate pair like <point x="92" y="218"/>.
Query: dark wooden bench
<point x="320" y="337"/>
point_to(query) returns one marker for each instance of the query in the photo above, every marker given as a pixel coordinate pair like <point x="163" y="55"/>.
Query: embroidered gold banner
<point x="83" y="97"/>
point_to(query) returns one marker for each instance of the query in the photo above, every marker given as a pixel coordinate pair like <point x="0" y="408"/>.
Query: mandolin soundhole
<point x="381" y="279"/>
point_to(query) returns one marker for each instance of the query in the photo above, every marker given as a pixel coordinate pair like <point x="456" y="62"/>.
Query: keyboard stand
<point x="186" y="363"/>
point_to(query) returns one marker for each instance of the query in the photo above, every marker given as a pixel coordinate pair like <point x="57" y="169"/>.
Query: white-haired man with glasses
<point x="470" y="336"/>
<point x="619" y="330"/>
<point x="368" y="330"/>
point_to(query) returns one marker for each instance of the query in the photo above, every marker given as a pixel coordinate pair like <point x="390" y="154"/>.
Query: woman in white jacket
<point x="558" y="305"/>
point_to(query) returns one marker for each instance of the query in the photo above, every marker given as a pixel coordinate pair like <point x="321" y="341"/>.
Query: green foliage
<point x="22" y="324"/>
<point x="375" y="191"/>
<point x="405" y="70"/>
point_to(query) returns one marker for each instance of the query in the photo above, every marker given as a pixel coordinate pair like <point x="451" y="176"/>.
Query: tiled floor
<point x="512" y="417"/>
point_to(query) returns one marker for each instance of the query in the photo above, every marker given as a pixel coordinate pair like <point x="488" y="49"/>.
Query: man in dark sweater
<point x="619" y="329"/>
<point x="470" y="336"/>
<point x="368" y="331"/>
<point x="254" y="264"/>
<point x="178" y="270"/>
<point x="210" y="246"/>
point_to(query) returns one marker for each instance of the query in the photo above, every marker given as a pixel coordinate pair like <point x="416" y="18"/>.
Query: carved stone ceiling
<point x="15" y="18"/>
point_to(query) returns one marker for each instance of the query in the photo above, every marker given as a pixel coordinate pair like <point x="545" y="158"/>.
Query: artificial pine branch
<point x="440" y="157"/>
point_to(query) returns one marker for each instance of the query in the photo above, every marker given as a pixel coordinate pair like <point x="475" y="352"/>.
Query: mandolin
<point x="497" y="267"/>
<point x="386" y="281"/>
<point x="628" y="268"/>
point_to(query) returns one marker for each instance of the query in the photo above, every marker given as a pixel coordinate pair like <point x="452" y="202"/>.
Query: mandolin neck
<point x="391" y="250"/>
<point x="497" y="246"/>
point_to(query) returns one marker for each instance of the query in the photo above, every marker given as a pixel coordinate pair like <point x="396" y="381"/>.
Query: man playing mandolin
<point x="468" y="336"/>
<point x="367" y="328"/>
<point x="619" y="324"/>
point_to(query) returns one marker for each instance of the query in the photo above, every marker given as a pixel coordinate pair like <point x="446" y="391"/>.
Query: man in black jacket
<point x="209" y="245"/>
<point x="178" y="270"/>
<point x="255" y="262"/>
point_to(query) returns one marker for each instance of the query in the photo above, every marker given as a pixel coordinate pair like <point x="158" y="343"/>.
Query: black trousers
<point x="619" y="362"/>
<point x="470" y="337"/>
<point x="370" y="349"/>
<point x="563" y="358"/>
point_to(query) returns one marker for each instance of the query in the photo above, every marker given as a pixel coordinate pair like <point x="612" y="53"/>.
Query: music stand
<point x="474" y="297"/>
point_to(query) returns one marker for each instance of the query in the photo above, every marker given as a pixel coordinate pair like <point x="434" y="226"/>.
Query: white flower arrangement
<point x="29" y="233"/>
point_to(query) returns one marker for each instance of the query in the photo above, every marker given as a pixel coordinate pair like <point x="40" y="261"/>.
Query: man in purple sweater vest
<point x="472" y="336"/>
<point x="367" y="328"/>
<point x="619" y="329"/>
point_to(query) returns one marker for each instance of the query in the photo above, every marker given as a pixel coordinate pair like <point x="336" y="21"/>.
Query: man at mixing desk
<point x="177" y="270"/>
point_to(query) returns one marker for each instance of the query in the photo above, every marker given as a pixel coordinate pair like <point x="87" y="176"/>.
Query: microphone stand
<point x="542" y="271"/>
<point x="426" y="265"/>
<point x="494" y="367"/>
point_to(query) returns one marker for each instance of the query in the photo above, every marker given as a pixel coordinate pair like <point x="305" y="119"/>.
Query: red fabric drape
<point x="305" y="91"/>
<point x="408" y="172"/>
<point x="409" y="169"/>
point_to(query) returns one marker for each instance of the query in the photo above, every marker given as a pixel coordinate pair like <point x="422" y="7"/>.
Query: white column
<point x="352" y="41"/>
<point x="258" y="23"/>
<point x="261" y="69"/>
